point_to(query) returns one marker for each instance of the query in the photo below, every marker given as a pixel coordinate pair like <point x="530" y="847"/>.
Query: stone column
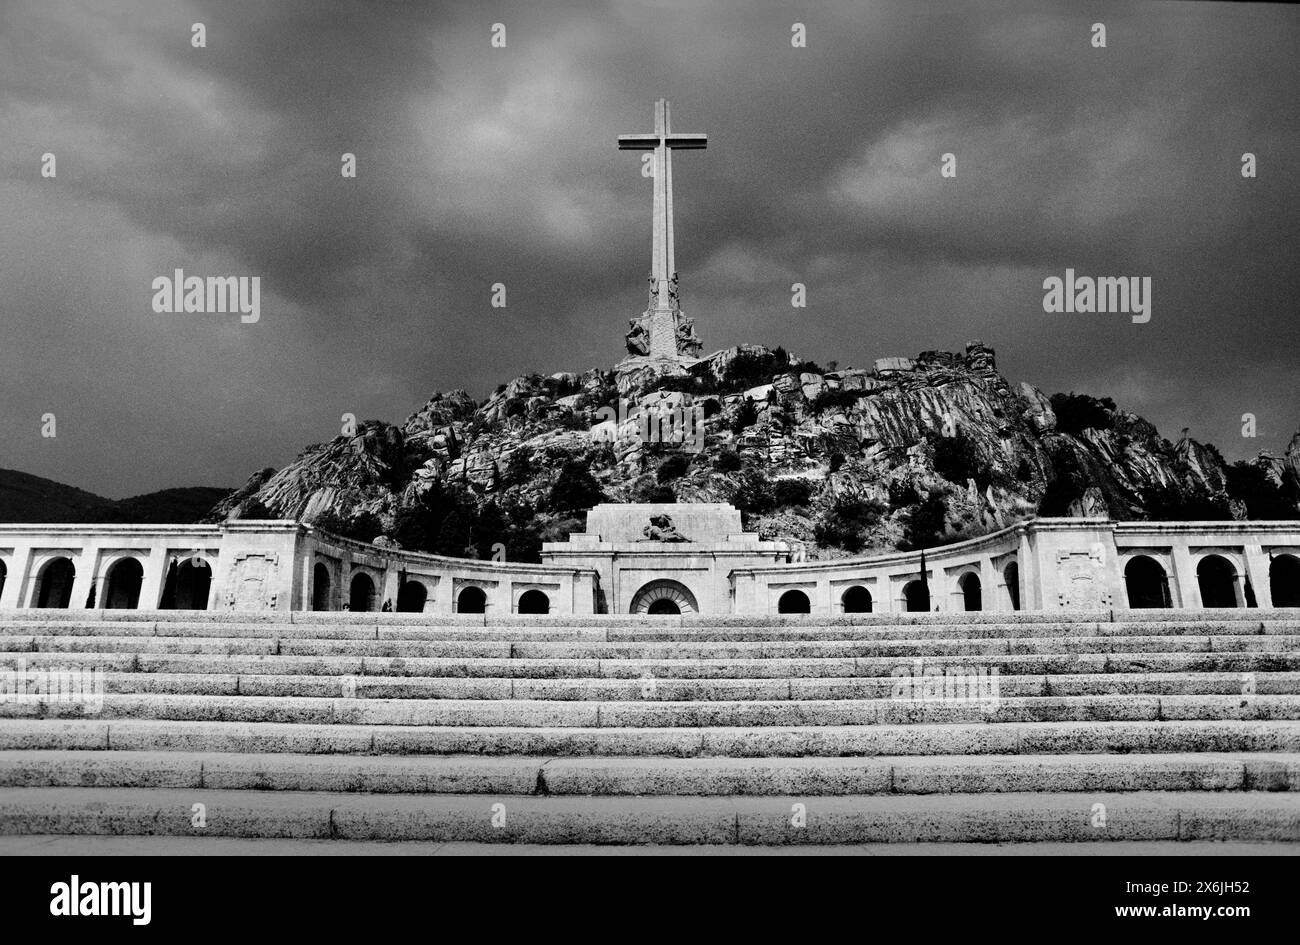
<point x="155" y="572"/>
<point x="306" y="582"/>
<point x="1183" y="580"/>
<point x="1257" y="571"/>
<point x="1030" y="596"/>
<point x="990" y="592"/>
<point x="389" y="590"/>
<point x="85" y="565"/>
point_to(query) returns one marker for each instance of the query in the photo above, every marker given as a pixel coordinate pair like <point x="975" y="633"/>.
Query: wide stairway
<point x="1150" y="726"/>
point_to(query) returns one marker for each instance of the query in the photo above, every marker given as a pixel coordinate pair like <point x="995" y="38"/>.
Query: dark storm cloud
<point x="481" y="165"/>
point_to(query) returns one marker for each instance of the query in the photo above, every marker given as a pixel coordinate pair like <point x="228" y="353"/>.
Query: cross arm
<point x="638" y="142"/>
<point x="687" y="141"/>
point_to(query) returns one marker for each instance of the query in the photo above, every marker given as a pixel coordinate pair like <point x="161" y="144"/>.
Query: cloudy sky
<point x="478" y="165"/>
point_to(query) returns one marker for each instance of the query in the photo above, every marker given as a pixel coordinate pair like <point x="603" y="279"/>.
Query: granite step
<point x="549" y="633"/>
<point x="672" y="690"/>
<point x="974" y="706"/>
<point x="1072" y="737"/>
<point x="597" y="776"/>
<point x="989" y="818"/>
<point x="769" y="668"/>
<point x="906" y="649"/>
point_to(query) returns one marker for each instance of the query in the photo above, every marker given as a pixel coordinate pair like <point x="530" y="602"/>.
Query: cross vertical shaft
<point x="662" y="142"/>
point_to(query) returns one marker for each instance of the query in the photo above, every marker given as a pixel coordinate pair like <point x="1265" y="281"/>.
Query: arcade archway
<point x="1146" y="582"/>
<point x="856" y="600"/>
<point x="361" y="593"/>
<point x="794" y="602"/>
<point x="54" y="586"/>
<point x="123" y="585"/>
<point x="1284" y="580"/>
<point x="663" y="597"/>
<point x="1217" y="579"/>
<point x="534" y="602"/>
<point x="471" y="600"/>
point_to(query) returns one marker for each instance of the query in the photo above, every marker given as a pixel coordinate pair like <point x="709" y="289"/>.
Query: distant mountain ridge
<point x="28" y="499"/>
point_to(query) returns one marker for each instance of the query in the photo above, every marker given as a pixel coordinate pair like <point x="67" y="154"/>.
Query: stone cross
<point x="662" y="142"/>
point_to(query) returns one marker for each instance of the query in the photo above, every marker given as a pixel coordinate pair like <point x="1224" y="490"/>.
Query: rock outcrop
<point x="914" y="451"/>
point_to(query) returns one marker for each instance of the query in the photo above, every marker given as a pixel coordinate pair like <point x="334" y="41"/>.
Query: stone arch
<point x="54" y="583"/>
<point x="916" y="597"/>
<point x="1283" y="580"/>
<point x="972" y="592"/>
<point x="361" y="592"/>
<point x="1216" y="577"/>
<point x="471" y="600"/>
<point x="193" y="582"/>
<point x="534" y="602"/>
<point x="320" y="587"/>
<point x="411" y="597"/>
<point x="1146" y="582"/>
<point x="794" y="602"/>
<point x="856" y="600"/>
<point x="122" y="584"/>
<point x="663" y="597"/>
<point x="1011" y="575"/>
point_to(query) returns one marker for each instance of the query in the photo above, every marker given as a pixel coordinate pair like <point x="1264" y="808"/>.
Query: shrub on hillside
<point x="575" y="490"/>
<point x="792" y="492"/>
<point x="1078" y="412"/>
<point x="845" y="524"/>
<point x="746" y="416"/>
<point x="1264" y="498"/>
<point x="754" y="493"/>
<point x="835" y="399"/>
<point x="924" y="526"/>
<point x="728" y="461"/>
<point x="674" y="467"/>
<point x="958" y="460"/>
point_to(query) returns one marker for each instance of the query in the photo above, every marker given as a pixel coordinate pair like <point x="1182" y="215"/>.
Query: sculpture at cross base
<point x="638" y="339"/>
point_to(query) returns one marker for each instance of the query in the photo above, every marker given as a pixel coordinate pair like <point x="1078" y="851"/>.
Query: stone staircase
<point x="759" y="731"/>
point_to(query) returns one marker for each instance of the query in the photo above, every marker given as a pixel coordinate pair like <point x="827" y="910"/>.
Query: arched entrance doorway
<point x="916" y="596"/>
<point x="534" y="602"/>
<point x="794" y="602"/>
<point x="361" y="593"/>
<point x="1284" y="580"/>
<point x="972" y="596"/>
<point x="663" y="597"/>
<point x="472" y="600"/>
<point x="856" y="600"/>
<point x="1146" y="583"/>
<point x="1011" y="574"/>
<point x="123" y="590"/>
<point x="1217" y="579"/>
<point x="193" y="580"/>
<point x="3" y="573"/>
<point x="54" y="586"/>
<point x="320" y="587"/>
<point x="411" y="597"/>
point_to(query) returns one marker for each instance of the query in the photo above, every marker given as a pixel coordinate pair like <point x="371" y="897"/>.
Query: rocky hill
<point x="911" y="453"/>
